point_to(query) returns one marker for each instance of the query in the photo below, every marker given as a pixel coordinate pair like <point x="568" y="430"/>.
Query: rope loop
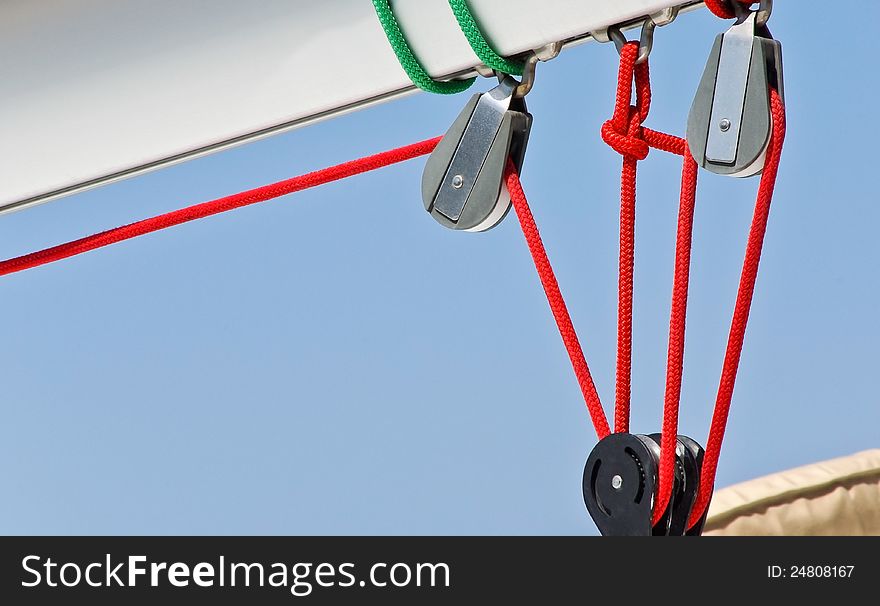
<point x="408" y="60"/>
<point x="626" y="135"/>
<point x="480" y="45"/>
<point x="623" y="132"/>
<point x="472" y="32"/>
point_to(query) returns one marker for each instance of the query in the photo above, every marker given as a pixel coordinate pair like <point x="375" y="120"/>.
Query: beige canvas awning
<point x="836" y="497"/>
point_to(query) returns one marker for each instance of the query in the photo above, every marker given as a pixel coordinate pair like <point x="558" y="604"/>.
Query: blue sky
<point x="290" y="368"/>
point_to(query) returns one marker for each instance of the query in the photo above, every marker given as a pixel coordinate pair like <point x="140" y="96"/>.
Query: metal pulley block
<point x="729" y="124"/>
<point x="621" y="480"/>
<point x="463" y="183"/>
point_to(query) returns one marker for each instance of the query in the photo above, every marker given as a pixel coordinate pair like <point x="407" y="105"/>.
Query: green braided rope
<point x="478" y="41"/>
<point x="408" y="60"/>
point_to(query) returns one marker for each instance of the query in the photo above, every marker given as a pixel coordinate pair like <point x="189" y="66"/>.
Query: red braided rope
<point x="320" y="177"/>
<point x="206" y="209"/>
<point x="634" y="145"/>
<point x="626" y="268"/>
<point x="556" y="301"/>
<point x="722" y="8"/>
<point x="677" y="321"/>
<point x="626" y="135"/>
<point x="623" y="132"/>
<point x="741" y="309"/>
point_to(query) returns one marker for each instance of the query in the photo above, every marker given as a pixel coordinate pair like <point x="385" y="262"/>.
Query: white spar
<point x="96" y="90"/>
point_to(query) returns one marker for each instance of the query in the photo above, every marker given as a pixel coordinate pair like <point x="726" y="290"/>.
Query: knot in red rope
<point x="629" y="142"/>
<point x="623" y="132"/>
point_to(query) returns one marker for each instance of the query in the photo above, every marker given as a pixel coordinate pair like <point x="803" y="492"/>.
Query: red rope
<point x="206" y="209"/>
<point x="677" y="321"/>
<point x="626" y="268"/>
<point x="741" y="309"/>
<point x="557" y="303"/>
<point x="623" y="132"/>
<point x="722" y="8"/>
<point x="626" y="135"/>
<point x="326" y="175"/>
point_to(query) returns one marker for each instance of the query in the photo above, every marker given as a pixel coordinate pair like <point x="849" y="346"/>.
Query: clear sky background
<point x="285" y="368"/>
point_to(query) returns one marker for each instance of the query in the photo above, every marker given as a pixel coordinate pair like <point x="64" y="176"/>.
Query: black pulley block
<point x="620" y="485"/>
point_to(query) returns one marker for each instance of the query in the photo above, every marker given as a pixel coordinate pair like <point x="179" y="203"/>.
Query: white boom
<point x="96" y="90"/>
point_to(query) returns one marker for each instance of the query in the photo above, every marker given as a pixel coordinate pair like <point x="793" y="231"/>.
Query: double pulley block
<point x="621" y="480"/>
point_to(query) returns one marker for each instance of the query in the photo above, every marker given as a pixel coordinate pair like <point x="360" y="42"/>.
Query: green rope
<point x="478" y="41"/>
<point x="408" y="60"/>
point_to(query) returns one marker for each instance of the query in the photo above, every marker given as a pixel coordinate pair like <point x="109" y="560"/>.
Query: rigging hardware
<point x="620" y="484"/>
<point x="463" y="184"/>
<point x="729" y="124"/>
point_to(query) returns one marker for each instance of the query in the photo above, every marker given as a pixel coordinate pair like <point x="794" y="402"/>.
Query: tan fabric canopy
<point x="836" y="497"/>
